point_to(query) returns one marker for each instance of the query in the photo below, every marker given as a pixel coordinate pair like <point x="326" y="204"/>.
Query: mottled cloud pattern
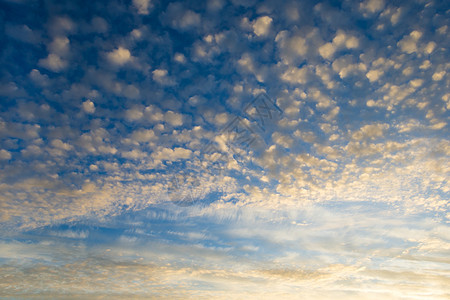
<point x="225" y="149"/>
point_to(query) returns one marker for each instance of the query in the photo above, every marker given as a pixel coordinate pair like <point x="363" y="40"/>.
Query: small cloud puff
<point x="142" y="6"/>
<point x="88" y="106"/>
<point x="5" y="155"/>
<point x="119" y="56"/>
<point x="341" y="40"/>
<point x="261" y="26"/>
<point x="161" y="76"/>
<point x="409" y="42"/>
<point x="371" y="6"/>
<point x="181" y="18"/>
<point x="53" y="63"/>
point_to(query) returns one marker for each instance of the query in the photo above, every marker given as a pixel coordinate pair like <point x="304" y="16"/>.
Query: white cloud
<point x="53" y="63"/>
<point x="327" y="50"/>
<point x="370" y="131"/>
<point x="374" y="75"/>
<point x="429" y="48"/>
<point x="221" y="119"/>
<point x="143" y="135"/>
<point x="409" y="42"/>
<point x="341" y="40"/>
<point x="181" y="18"/>
<point x="62" y="26"/>
<point x="174" y="119"/>
<point x="295" y="75"/>
<point x="161" y="76"/>
<point x="261" y="26"/>
<point x="293" y="47"/>
<point x="5" y="155"/>
<point x="172" y="154"/>
<point x="57" y="143"/>
<point x="119" y="56"/>
<point x="134" y="114"/>
<point x="371" y="6"/>
<point x="142" y="6"/>
<point x="39" y="78"/>
<point x="346" y="66"/>
<point x="437" y="76"/>
<point x="59" y="45"/>
<point x="179" y="57"/>
<point x="88" y="106"/>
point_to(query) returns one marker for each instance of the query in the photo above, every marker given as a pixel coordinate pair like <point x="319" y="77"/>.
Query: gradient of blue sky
<point x="106" y="104"/>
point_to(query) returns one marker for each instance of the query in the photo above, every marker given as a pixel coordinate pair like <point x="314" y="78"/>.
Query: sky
<point x="224" y="149"/>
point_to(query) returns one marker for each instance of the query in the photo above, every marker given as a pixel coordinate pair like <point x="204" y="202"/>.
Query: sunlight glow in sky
<point x="224" y="149"/>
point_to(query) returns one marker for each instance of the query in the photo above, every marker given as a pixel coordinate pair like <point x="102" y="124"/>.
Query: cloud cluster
<point x="126" y="164"/>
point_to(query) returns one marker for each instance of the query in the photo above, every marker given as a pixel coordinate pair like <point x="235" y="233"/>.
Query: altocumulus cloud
<point x="225" y="149"/>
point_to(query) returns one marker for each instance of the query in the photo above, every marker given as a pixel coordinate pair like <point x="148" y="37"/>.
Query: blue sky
<point x="221" y="149"/>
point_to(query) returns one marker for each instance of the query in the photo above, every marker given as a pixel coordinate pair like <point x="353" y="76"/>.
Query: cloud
<point x="438" y="75"/>
<point x="59" y="46"/>
<point x="88" y="106"/>
<point x="371" y="6"/>
<point x="374" y="75"/>
<point x="341" y="40"/>
<point x="261" y="26"/>
<point x="180" y="18"/>
<point x="174" y="119"/>
<point x="38" y="78"/>
<point x="117" y="165"/>
<point x="161" y="76"/>
<point x="5" y="155"/>
<point x="143" y="6"/>
<point x="371" y="131"/>
<point x="408" y="43"/>
<point x="53" y="63"/>
<point x="119" y="56"/>
<point x="295" y="75"/>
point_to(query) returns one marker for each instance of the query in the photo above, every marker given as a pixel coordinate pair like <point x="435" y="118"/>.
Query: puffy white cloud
<point x="161" y="76"/>
<point x="429" y="48"/>
<point x="340" y="41"/>
<point x="282" y="140"/>
<point x="59" y="45"/>
<point x="327" y="50"/>
<point x="38" y="78"/>
<point x="261" y="26"/>
<point x="134" y="114"/>
<point x="221" y="119"/>
<point x="374" y="75"/>
<point x="408" y="43"/>
<point x="119" y="56"/>
<point x="181" y="18"/>
<point x="143" y="135"/>
<point x="371" y="131"/>
<point x="346" y="66"/>
<point x="57" y="143"/>
<point x="142" y="6"/>
<point x="295" y="75"/>
<point x="174" y="119"/>
<point x="438" y="75"/>
<point x="88" y="106"/>
<point x="172" y="154"/>
<point x="371" y="6"/>
<point x="5" y="155"/>
<point x="53" y="63"/>
<point x="179" y="57"/>
<point x="292" y="47"/>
